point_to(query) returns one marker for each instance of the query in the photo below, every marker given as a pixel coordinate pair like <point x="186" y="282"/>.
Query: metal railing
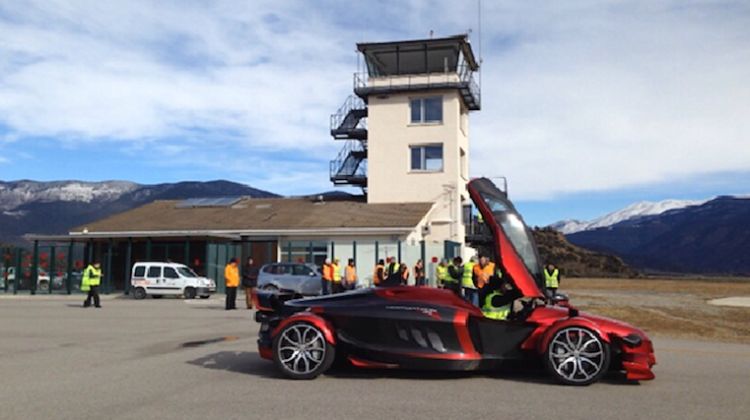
<point x="353" y="102"/>
<point x="346" y="164"/>
<point x="463" y="78"/>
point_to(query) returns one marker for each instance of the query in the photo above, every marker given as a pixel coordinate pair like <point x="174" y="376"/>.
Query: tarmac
<point x="735" y="301"/>
<point x="176" y="359"/>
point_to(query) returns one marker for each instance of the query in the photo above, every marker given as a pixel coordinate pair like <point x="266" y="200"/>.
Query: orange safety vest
<point x="327" y="272"/>
<point x="232" y="275"/>
<point x="483" y="274"/>
<point x="377" y="276"/>
<point x="350" y="274"/>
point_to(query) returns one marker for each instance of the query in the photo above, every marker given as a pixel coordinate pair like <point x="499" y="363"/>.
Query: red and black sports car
<point x="428" y="328"/>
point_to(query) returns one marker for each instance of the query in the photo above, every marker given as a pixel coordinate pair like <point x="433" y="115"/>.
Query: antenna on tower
<point x="479" y="29"/>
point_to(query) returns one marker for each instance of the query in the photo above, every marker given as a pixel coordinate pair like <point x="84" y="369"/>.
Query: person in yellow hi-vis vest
<point x="337" y="287"/>
<point x="552" y="278"/>
<point x="92" y="278"/>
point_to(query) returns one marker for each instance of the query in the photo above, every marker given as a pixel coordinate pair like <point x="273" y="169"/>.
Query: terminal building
<point x="404" y="135"/>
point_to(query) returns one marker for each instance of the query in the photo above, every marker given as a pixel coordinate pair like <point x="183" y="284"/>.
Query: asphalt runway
<point x="174" y="359"/>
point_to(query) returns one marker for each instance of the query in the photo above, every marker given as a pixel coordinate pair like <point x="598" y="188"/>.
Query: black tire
<point x="317" y="357"/>
<point x="139" y="293"/>
<point x="205" y="296"/>
<point x="270" y="288"/>
<point x="189" y="293"/>
<point x="43" y="286"/>
<point x="579" y="348"/>
<point x="157" y="296"/>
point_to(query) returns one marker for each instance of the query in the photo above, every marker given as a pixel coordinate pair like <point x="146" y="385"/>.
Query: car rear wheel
<point x="43" y="286"/>
<point x="301" y="351"/>
<point x="577" y="356"/>
<point x="189" y="293"/>
<point x="139" y="293"/>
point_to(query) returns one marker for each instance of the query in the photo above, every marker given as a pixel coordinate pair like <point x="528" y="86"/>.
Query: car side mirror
<point x="559" y="299"/>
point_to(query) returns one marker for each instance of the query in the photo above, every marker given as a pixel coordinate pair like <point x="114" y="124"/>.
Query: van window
<point x="170" y="273"/>
<point x="154" y="272"/>
<point x="302" y="270"/>
<point x="140" y="271"/>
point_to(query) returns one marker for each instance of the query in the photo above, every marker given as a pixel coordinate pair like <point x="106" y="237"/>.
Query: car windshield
<point x="515" y="229"/>
<point x="186" y="272"/>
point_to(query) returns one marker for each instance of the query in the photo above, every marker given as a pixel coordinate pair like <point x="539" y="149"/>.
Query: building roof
<point x="384" y="53"/>
<point x="260" y="216"/>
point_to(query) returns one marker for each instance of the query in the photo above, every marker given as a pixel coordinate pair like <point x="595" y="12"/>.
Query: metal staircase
<point x="348" y="123"/>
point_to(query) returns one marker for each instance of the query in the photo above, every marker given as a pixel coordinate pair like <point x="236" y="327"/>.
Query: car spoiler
<point x="272" y="301"/>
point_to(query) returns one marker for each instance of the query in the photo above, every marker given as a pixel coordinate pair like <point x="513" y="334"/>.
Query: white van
<point x="159" y="279"/>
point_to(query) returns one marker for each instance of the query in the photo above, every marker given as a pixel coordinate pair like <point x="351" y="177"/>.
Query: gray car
<point x="300" y="278"/>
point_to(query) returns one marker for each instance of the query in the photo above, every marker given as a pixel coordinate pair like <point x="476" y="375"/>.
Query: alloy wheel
<point x="577" y="355"/>
<point x="301" y="349"/>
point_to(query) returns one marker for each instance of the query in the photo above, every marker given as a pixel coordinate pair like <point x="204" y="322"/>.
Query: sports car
<point x="411" y="327"/>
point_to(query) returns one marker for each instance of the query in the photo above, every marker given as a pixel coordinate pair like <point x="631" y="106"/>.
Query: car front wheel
<point x="577" y="356"/>
<point x="139" y="293"/>
<point x="301" y="351"/>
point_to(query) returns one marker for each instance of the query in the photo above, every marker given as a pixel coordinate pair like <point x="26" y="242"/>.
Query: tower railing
<point x="463" y="79"/>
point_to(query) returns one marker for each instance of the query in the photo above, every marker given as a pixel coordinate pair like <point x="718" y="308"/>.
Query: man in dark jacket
<point x="455" y="275"/>
<point x="249" y="281"/>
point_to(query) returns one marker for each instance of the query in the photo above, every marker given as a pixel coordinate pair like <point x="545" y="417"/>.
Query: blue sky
<point x="587" y="105"/>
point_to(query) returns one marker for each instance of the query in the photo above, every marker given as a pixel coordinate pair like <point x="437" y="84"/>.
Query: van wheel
<point x="189" y="293"/>
<point x="139" y="293"/>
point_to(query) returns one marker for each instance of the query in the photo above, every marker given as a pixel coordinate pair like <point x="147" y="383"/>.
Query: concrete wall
<point x="390" y="179"/>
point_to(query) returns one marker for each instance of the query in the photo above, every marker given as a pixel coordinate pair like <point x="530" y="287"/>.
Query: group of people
<point x="232" y="281"/>
<point x="478" y="280"/>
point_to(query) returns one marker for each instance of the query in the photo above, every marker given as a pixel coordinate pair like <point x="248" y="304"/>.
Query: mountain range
<point x="54" y="207"/>
<point x="707" y="237"/>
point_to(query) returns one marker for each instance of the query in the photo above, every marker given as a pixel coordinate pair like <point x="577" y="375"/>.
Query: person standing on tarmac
<point x="419" y="276"/>
<point x="441" y="273"/>
<point x="455" y="275"/>
<point x="483" y="272"/>
<point x="336" y="267"/>
<point x="232" y="281"/>
<point x="92" y="277"/>
<point x="404" y="271"/>
<point x="327" y="278"/>
<point x="350" y="275"/>
<point x="378" y="276"/>
<point x="467" y="282"/>
<point x="393" y="273"/>
<point x="249" y="281"/>
<point x="552" y="278"/>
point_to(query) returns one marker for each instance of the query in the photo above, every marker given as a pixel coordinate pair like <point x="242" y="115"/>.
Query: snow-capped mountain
<point x="18" y="193"/>
<point x="640" y="209"/>
<point x="54" y="207"/>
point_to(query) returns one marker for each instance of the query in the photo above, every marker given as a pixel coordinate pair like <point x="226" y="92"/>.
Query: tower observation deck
<point x="409" y="69"/>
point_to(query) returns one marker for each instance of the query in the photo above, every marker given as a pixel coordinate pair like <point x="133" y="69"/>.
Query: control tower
<point x="406" y="127"/>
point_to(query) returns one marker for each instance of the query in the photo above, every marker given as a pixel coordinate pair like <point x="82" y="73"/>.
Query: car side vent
<point x="436" y="342"/>
<point x="418" y="337"/>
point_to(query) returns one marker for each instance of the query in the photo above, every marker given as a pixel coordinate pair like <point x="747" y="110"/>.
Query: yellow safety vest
<point x="492" y="312"/>
<point x="442" y="272"/>
<point x="336" y="272"/>
<point x="552" y="280"/>
<point x="467" y="281"/>
<point x="448" y="277"/>
<point x="91" y="277"/>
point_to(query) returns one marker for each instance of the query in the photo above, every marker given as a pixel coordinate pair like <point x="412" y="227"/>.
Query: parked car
<point x="159" y="279"/>
<point x="302" y="279"/>
<point x="42" y="282"/>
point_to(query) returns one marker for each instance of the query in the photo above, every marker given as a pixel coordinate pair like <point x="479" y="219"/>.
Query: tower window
<point x="428" y="158"/>
<point x="427" y="110"/>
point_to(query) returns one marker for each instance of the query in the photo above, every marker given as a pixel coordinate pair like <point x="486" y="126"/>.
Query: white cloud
<point x="577" y="96"/>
